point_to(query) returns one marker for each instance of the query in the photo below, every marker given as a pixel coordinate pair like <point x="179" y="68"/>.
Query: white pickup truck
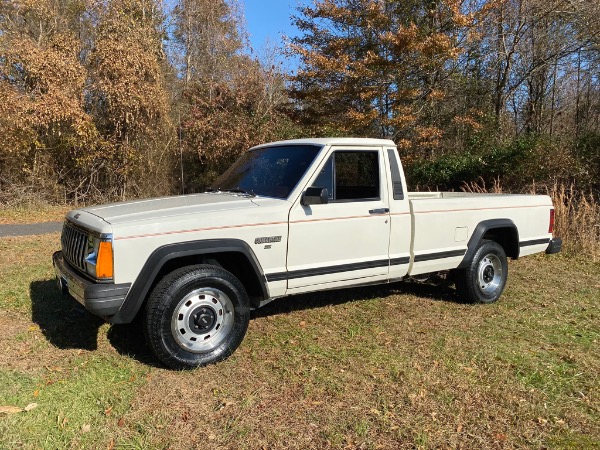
<point x="288" y="217"/>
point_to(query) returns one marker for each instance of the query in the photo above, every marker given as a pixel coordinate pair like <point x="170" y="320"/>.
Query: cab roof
<point x="363" y="142"/>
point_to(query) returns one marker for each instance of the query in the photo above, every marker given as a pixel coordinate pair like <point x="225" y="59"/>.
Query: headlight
<point x="99" y="259"/>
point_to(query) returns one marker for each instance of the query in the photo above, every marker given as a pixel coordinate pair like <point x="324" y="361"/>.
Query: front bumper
<point x="554" y="246"/>
<point x="103" y="300"/>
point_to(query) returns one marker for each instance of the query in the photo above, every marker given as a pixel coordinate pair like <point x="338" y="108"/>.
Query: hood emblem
<point x="77" y="216"/>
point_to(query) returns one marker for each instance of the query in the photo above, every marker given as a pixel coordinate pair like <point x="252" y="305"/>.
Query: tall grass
<point x="577" y="214"/>
<point x="577" y="220"/>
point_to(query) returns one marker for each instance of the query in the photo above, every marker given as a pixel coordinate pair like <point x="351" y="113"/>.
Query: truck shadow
<point x="129" y="340"/>
<point x="64" y="322"/>
<point x="433" y="289"/>
<point x="68" y="325"/>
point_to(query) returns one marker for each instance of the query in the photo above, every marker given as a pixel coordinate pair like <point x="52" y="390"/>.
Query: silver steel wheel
<point x="489" y="273"/>
<point x="202" y="320"/>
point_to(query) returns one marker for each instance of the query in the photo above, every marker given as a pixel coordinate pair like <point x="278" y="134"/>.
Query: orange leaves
<point x="225" y="118"/>
<point x="428" y="138"/>
<point x="375" y="68"/>
<point x="405" y="38"/>
<point x="438" y="44"/>
<point x="428" y="133"/>
<point x="83" y="90"/>
<point x="127" y="76"/>
<point x="361" y="118"/>
<point x="42" y="78"/>
<point x="468" y="121"/>
<point x="404" y="144"/>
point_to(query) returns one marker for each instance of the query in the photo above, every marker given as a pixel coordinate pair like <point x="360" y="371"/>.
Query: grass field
<point x="400" y="366"/>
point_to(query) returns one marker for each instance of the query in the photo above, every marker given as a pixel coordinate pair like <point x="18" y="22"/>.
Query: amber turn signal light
<point x="104" y="264"/>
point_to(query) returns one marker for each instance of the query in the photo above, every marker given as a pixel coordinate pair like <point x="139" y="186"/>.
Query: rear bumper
<point x="103" y="300"/>
<point x="554" y="246"/>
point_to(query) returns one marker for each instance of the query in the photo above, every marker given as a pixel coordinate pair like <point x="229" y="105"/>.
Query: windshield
<point x="269" y="171"/>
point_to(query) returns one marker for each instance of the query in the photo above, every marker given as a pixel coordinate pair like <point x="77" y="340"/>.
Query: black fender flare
<point x="480" y="230"/>
<point x="159" y="257"/>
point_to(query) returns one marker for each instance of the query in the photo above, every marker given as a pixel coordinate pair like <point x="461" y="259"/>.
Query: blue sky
<point x="268" y="20"/>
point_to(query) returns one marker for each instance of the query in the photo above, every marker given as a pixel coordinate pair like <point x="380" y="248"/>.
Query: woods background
<point x="106" y="100"/>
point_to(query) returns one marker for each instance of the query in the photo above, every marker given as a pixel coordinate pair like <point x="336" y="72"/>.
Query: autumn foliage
<point x="375" y="67"/>
<point x="86" y="93"/>
<point x="459" y="85"/>
<point x="107" y="100"/>
<point x="224" y="119"/>
<point x="101" y="101"/>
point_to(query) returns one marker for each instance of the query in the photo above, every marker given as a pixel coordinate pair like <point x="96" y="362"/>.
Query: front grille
<point x="74" y="245"/>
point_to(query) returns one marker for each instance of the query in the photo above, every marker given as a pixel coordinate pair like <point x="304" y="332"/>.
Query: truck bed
<point x="443" y="221"/>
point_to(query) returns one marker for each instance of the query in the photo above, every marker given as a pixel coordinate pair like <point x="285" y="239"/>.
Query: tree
<point x="43" y="121"/>
<point x="228" y="102"/>
<point x="87" y="111"/>
<point x="528" y="54"/>
<point x="128" y="97"/>
<point x="208" y="36"/>
<point x="377" y="68"/>
<point x="227" y="117"/>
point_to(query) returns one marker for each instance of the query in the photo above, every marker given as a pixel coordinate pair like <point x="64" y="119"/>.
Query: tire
<point x="485" y="278"/>
<point x="196" y="315"/>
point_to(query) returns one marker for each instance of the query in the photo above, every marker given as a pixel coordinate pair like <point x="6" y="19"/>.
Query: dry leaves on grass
<point x="8" y="409"/>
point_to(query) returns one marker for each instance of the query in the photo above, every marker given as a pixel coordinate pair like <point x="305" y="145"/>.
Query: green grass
<point x="94" y="391"/>
<point x="401" y="366"/>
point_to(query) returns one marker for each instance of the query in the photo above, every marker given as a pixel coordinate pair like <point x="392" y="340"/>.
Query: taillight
<point x="551" y="226"/>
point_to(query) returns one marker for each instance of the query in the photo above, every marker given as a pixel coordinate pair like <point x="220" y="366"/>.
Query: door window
<point x="351" y="176"/>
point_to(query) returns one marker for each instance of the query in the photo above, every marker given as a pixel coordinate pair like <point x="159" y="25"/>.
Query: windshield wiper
<point x="239" y="190"/>
<point x="236" y="190"/>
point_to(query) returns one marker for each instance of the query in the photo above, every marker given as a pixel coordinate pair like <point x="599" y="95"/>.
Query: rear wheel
<point x="485" y="278"/>
<point x="196" y="316"/>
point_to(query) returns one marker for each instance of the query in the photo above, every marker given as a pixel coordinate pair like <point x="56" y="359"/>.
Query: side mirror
<point x="315" y="196"/>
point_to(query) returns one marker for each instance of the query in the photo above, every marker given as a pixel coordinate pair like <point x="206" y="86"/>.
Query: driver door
<point x="346" y="239"/>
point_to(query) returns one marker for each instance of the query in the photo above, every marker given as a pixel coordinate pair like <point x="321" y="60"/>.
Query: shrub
<point x="451" y="171"/>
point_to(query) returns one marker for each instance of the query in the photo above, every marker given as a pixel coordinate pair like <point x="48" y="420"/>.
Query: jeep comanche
<point x="288" y="217"/>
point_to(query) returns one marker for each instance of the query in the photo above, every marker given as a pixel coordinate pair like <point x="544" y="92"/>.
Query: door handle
<point x="379" y="211"/>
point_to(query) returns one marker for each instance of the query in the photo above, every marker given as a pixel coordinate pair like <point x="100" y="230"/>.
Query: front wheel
<point x="195" y="316"/>
<point x="485" y="278"/>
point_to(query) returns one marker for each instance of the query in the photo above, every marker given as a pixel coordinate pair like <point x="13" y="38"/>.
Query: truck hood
<point x="156" y="208"/>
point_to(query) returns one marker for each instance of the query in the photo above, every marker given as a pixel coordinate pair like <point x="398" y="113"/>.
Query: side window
<point x="326" y="178"/>
<point x="351" y="175"/>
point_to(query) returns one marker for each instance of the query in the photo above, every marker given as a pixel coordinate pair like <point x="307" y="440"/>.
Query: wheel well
<point x="507" y="237"/>
<point x="235" y="262"/>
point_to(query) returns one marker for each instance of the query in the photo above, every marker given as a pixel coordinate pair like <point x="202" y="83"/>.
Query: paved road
<point x="29" y="229"/>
